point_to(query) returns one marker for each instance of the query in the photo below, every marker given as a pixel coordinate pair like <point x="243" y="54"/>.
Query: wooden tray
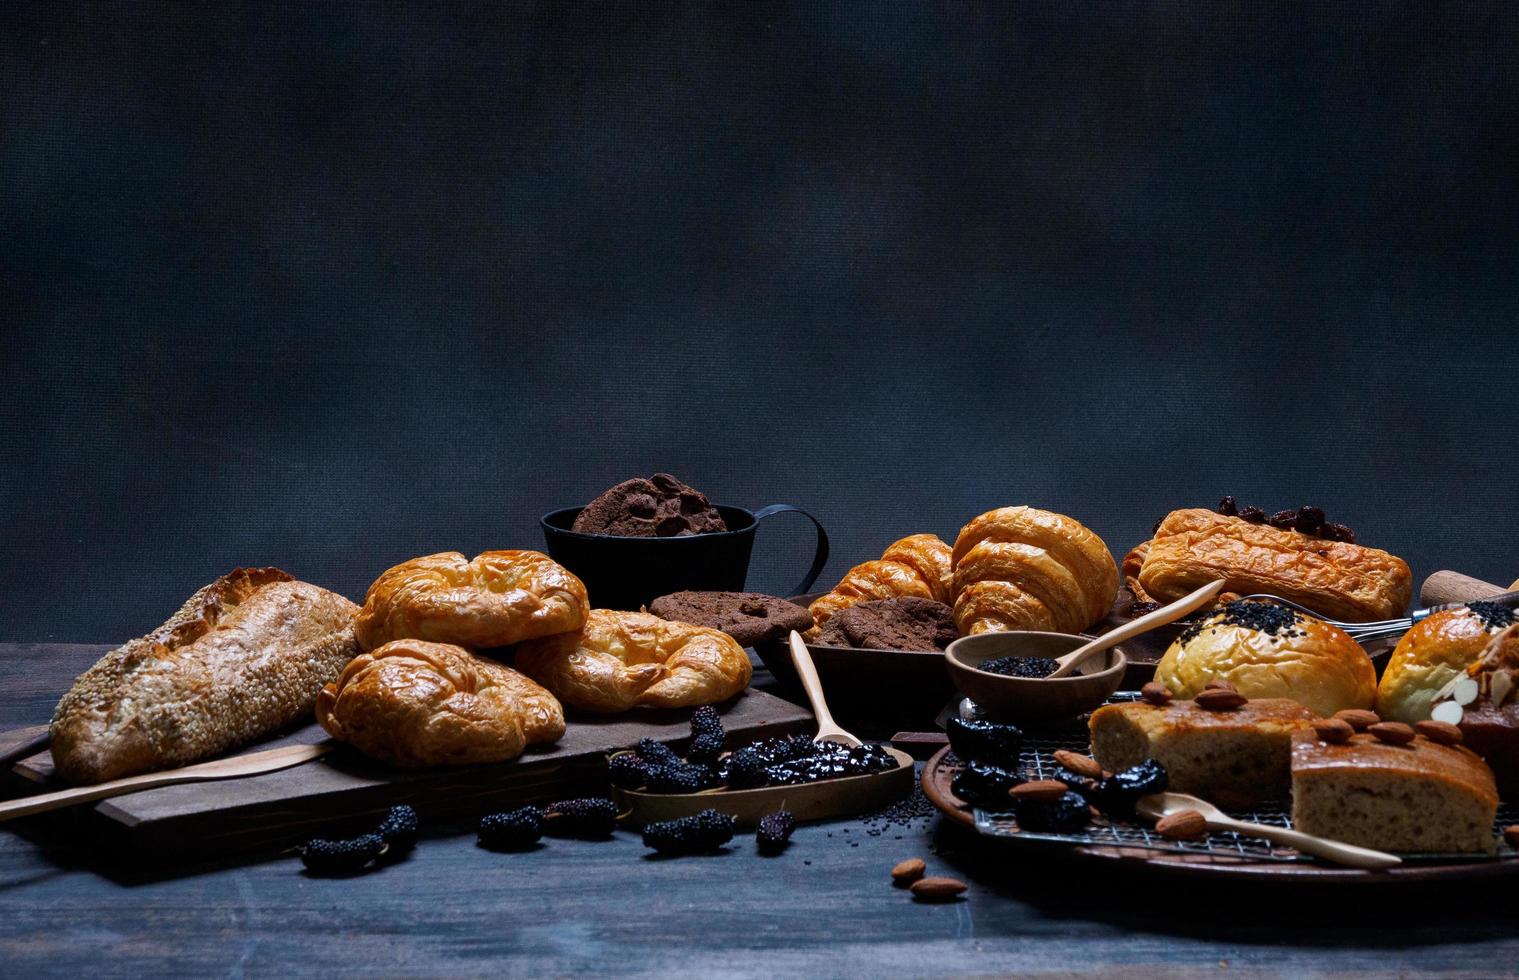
<point x="938" y="773"/>
<point x="343" y="790"/>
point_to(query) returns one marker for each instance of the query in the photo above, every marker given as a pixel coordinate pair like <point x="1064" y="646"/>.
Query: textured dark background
<point x="327" y="286"/>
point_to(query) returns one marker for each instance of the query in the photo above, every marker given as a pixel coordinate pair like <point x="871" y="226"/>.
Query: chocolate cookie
<point x="908" y="623"/>
<point x="659" y="507"/>
<point x="748" y="617"/>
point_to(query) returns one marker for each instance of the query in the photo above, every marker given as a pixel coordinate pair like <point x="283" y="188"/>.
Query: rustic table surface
<point x="824" y="908"/>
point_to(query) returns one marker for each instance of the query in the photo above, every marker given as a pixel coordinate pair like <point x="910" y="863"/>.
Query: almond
<point x="937" y="889"/>
<point x="1511" y="835"/>
<point x="909" y="871"/>
<point x="1392" y="732"/>
<point x="1155" y="693"/>
<point x="1182" y="825"/>
<point x="1039" y="791"/>
<point x="1335" y="731"/>
<point x="1219" y="686"/>
<point x="1218" y="699"/>
<point x="1439" y="731"/>
<point x="1360" y="719"/>
<point x="1081" y="765"/>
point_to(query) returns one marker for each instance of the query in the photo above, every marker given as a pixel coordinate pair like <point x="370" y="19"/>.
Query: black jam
<point x="1031" y="668"/>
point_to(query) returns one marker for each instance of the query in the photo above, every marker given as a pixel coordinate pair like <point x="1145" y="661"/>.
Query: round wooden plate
<point x="938" y="772"/>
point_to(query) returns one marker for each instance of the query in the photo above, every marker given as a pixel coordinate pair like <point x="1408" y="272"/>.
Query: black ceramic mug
<point x="627" y="573"/>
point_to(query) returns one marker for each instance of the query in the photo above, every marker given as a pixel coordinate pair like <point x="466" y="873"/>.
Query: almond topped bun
<point x="1268" y="650"/>
<point x="1432" y="654"/>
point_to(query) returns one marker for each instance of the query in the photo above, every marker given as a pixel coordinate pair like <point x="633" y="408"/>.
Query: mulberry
<point x="656" y="753"/>
<point x="706" y="831"/>
<point x="399" y="829"/>
<point x="746" y="767"/>
<point x="341" y="856"/>
<point x="513" y="830"/>
<point x="627" y="770"/>
<point x="684" y="777"/>
<point x="774" y="831"/>
<point x="706" y="735"/>
<point x="591" y="816"/>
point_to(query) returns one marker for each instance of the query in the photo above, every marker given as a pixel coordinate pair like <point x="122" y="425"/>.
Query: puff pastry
<point x="621" y="660"/>
<point x="1342" y="581"/>
<point x="413" y="703"/>
<point x="497" y="599"/>
<point x="918" y="565"/>
<point x="242" y="657"/>
<point x="1019" y="568"/>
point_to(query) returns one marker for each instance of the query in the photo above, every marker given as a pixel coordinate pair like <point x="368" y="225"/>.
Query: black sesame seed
<point x="1493" y="616"/>
<point x="1029" y="667"/>
<point x="1270" y="618"/>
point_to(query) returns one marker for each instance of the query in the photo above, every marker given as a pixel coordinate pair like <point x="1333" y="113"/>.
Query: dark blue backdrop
<point x="327" y="286"/>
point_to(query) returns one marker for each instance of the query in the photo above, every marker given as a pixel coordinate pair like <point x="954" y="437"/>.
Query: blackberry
<point x="627" y="770"/>
<point x="1117" y="794"/>
<point x="774" y="832"/>
<point x="1067" y="814"/>
<point x="324" y="856"/>
<point x="591" y="816"/>
<point x="985" y="741"/>
<point x="706" y="831"/>
<point x="399" y="829"/>
<point x="985" y="785"/>
<point x="514" y="830"/>
<point x="656" y="753"/>
<point x="686" y="777"/>
<point x="706" y="735"/>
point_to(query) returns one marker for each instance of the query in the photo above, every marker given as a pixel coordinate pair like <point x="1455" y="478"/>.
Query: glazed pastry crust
<point x="1428" y="657"/>
<point x="1020" y="568"/>
<point x="412" y="703"/>
<point x="497" y="599"/>
<point x="242" y="657"/>
<point x="1341" y="581"/>
<point x="622" y="660"/>
<point x="919" y="565"/>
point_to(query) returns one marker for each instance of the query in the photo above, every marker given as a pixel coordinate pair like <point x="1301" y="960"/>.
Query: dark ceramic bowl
<point x="627" y="573"/>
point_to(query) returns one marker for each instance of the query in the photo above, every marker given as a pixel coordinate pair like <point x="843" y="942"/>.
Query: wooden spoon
<point x="1160" y="617"/>
<point x="828" y="729"/>
<point x="1159" y="805"/>
<point x="251" y="764"/>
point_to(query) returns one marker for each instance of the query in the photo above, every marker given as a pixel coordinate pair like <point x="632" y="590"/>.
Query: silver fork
<point x="1386" y="628"/>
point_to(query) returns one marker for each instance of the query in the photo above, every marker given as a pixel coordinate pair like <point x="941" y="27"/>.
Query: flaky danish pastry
<point x="1337" y="579"/>
<point x="242" y="657"/>
<point x="621" y="660"/>
<point x="413" y="703"/>
<point x="497" y="599"/>
<point x="918" y="565"/>
<point x="1019" y="568"/>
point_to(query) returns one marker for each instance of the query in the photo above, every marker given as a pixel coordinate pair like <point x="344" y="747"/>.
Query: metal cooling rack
<point x="1038" y="758"/>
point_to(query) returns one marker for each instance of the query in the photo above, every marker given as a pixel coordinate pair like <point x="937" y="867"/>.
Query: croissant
<point x="413" y="703"/>
<point x="624" y="659"/>
<point x="917" y="565"/>
<point x="498" y="599"/>
<point x="1018" y="568"/>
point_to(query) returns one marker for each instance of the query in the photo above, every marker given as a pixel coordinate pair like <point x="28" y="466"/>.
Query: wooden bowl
<point x="1026" y="698"/>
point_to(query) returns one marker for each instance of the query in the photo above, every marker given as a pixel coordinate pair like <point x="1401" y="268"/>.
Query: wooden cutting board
<point x="343" y="792"/>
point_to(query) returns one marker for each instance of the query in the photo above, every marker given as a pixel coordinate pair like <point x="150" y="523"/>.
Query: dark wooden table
<point x="825" y="908"/>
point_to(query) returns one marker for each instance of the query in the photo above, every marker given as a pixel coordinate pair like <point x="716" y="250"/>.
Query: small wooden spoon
<point x="1160" y="617"/>
<point x="1159" y="805"/>
<point x="251" y="764"/>
<point x="828" y="729"/>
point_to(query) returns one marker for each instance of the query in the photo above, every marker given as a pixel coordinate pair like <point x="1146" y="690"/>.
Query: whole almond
<point x="1182" y="825"/>
<point x="1360" y="719"/>
<point x="1442" y="732"/>
<point x="1392" y="732"/>
<point x="1039" y="791"/>
<point x="937" y="889"/>
<point x="1335" y="731"/>
<point x="1155" y="693"/>
<point x="1219" y="686"/>
<point x="1218" y="699"/>
<point x="909" y="871"/>
<point x="1081" y="765"/>
<point x="1511" y="835"/>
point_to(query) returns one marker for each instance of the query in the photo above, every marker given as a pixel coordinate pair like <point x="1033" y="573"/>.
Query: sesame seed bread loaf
<point x="242" y="657"/>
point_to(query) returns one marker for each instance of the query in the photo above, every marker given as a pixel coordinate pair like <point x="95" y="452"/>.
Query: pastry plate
<point x="1221" y="855"/>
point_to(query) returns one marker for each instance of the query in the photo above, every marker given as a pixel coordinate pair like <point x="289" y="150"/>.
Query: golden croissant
<point x="917" y="565"/>
<point x="1018" y="568"/>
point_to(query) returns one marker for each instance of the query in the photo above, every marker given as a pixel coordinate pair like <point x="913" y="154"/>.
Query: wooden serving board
<point x="345" y="792"/>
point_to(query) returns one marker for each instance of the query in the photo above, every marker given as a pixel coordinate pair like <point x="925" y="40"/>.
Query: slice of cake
<point x="1229" y="756"/>
<point x="1420" y="797"/>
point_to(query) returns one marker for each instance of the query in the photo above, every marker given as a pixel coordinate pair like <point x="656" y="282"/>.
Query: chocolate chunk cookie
<point x="908" y="623"/>
<point x="659" y="507"/>
<point x="748" y="617"/>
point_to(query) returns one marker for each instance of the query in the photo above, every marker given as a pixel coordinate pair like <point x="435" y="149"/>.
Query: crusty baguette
<point x="242" y="657"/>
